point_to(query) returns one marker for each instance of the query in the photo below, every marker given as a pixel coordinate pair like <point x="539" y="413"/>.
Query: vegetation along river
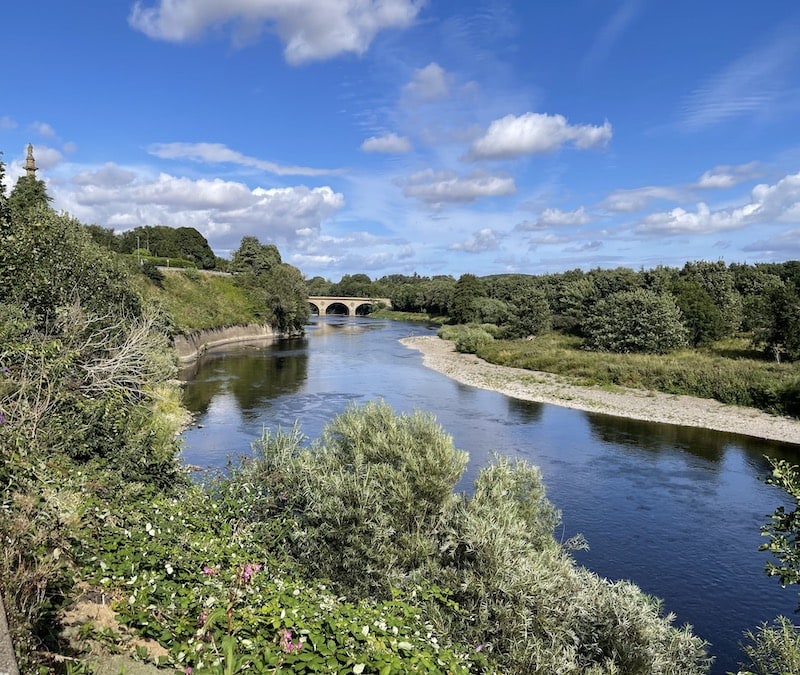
<point x="674" y="509"/>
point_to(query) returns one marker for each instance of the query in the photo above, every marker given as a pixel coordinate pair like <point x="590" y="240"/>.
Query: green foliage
<point x="253" y="257"/>
<point x="703" y="319"/>
<point x="467" y="289"/>
<point x="5" y="212"/>
<point x="635" y="321"/>
<point x="167" y="243"/>
<point x="469" y="338"/>
<point x="28" y="193"/>
<point x="719" y="282"/>
<point x="203" y="302"/>
<point x="370" y="505"/>
<point x="202" y="573"/>
<point x="278" y="289"/>
<point x="153" y="273"/>
<point x="746" y="380"/>
<point x="367" y="494"/>
<point x="530" y="315"/>
<point x="775" y="318"/>
<point x="783" y="530"/>
<point x="48" y="261"/>
<point x="773" y="649"/>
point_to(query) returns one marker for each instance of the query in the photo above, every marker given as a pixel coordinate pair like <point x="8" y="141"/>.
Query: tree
<point x="776" y="322"/>
<point x="466" y="290"/>
<point x="702" y="317"/>
<point x="529" y="315"/>
<point x="286" y="299"/>
<point x="718" y="281"/>
<point x="28" y="193"/>
<point x="635" y="321"/>
<point x="255" y="258"/>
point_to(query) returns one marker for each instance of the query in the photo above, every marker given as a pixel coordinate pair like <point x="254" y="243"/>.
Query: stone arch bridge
<point x="323" y="304"/>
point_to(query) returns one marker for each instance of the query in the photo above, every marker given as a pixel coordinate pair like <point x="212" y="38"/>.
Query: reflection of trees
<point x="704" y="443"/>
<point x="256" y="380"/>
<point x="527" y="411"/>
<point x="253" y="377"/>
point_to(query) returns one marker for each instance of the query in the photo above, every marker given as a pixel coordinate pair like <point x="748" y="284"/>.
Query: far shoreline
<point x="648" y="406"/>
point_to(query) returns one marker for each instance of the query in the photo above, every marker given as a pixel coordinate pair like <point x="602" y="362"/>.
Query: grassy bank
<point x="421" y="317"/>
<point x="196" y="301"/>
<point x="726" y="371"/>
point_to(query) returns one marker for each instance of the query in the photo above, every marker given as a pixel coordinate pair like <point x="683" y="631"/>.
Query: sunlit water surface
<point x="674" y="509"/>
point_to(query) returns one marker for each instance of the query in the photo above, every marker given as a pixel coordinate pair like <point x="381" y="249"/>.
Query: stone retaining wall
<point x="192" y="346"/>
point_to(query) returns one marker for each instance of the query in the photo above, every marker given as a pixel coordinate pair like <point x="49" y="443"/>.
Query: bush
<point x="635" y="321"/>
<point x="370" y="505"/>
<point x="773" y="649"/>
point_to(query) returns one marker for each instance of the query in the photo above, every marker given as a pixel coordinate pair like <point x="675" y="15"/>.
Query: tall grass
<point x="198" y="301"/>
<point x="726" y="371"/>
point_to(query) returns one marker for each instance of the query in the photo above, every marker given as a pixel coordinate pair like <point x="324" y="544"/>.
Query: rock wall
<point x="190" y="347"/>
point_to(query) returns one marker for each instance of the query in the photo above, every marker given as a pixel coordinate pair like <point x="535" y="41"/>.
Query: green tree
<point x="718" y="281"/>
<point x="286" y="299"/>
<point x="530" y="315"/>
<point x="635" y="321"/>
<point x="702" y="317"/>
<point x="255" y="258"/>
<point x="48" y="261"/>
<point x="28" y="193"/>
<point x="466" y="291"/>
<point x="776" y="322"/>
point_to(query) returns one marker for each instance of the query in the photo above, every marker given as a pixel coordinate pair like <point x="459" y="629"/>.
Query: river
<point x="674" y="509"/>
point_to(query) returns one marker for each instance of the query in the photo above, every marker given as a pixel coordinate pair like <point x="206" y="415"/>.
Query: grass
<point x="408" y="316"/>
<point x="198" y="301"/>
<point x="728" y="371"/>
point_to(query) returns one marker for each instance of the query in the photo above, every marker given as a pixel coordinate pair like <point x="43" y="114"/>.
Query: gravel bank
<point x="528" y="385"/>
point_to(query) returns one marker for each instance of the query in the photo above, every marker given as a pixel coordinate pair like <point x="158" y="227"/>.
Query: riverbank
<point x="440" y="355"/>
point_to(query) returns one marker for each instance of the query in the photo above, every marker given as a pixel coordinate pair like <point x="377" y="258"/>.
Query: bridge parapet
<point x="351" y="305"/>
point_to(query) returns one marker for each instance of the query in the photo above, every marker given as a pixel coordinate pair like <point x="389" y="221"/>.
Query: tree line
<point x="617" y="310"/>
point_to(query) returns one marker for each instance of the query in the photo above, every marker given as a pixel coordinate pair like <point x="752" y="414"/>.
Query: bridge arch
<point x="326" y="305"/>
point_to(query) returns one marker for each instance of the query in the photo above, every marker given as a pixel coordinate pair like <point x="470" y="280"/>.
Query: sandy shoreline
<point x="440" y="355"/>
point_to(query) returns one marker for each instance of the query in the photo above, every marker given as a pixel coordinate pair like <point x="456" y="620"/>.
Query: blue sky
<point x="402" y="136"/>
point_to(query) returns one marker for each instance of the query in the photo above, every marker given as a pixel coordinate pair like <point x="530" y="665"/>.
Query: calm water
<point x="676" y="510"/>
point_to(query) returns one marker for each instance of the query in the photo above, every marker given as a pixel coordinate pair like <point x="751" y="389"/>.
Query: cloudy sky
<point x="428" y="136"/>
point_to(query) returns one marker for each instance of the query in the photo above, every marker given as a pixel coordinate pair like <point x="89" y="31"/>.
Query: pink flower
<point x="287" y="644"/>
<point x="210" y="571"/>
<point x="203" y="617"/>
<point x="187" y="670"/>
<point x="249" y="570"/>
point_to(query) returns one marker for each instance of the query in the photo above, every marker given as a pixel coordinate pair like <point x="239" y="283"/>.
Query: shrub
<point x="773" y="649"/>
<point x="635" y="321"/>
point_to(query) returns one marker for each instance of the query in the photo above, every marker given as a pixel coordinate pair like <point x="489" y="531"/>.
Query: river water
<point x="674" y="509"/>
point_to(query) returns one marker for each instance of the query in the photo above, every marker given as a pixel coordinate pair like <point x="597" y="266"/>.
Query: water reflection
<point x="254" y="377"/>
<point x="675" y="509"/>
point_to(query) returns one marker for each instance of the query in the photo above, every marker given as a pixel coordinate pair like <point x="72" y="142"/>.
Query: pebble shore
<point x="527" y="385"/>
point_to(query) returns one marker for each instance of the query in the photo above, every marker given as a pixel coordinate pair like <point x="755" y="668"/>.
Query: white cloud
<point x="110" y="175"/>
<point x="388" y="143"/>
<point x="768" y="204"/>
<point x="484" y="240"/>
<point x="218" y="153"/>
<point x="43" y="129"/>
<point x="7" y="123"/>
<point x="726" y="176"/>
<point x="69" y="147"/>
<point x="310" y="29"/>
<point x="559" y="218"/>
<point x="536" y="133"/>
<point x="438" y="187"/>
<point x="628" y="201"/>
<point x="46" y="157"/>
<point x="751" y="85"/>
<point x="430" y="83"/>
<point x="223" y="211"/>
